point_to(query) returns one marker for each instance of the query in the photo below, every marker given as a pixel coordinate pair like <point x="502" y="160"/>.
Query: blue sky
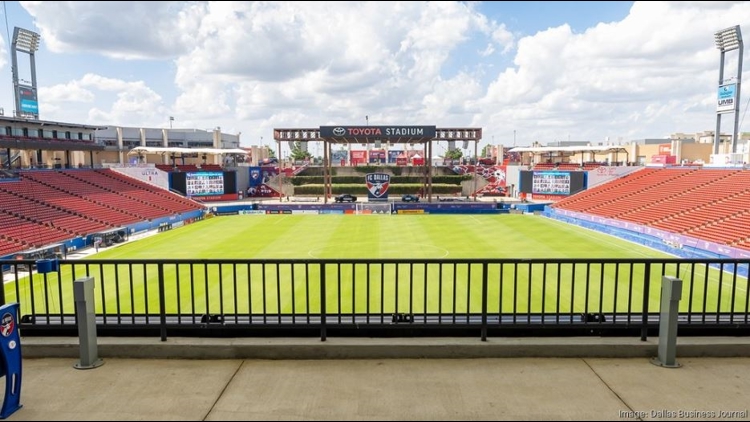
<point x="551" y="71"/>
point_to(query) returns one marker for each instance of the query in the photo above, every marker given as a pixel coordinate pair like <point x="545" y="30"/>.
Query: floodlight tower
<point x="729" y="90"/>
<point x="26" y="100"/>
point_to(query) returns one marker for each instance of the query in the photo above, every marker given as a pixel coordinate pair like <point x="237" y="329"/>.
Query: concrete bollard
<point x="83" y="293"/>
<point x="671" y="293"/>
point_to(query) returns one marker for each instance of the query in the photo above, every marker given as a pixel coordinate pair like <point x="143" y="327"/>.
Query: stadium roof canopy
<point x="574" y="149"/>
<point x="365" y="134"/>
<point x="177" y="150"/>
<point x="53" y="124"/>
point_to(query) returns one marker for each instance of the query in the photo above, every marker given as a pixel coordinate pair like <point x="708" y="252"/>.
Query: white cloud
<point x="128" y="102"/>
<point x="3" y="53"/>
<point x="68" y="92"/>
<point x="323" y="63"/>
<point x="487" y="50"/>
<point x="207" y="99"/>
<point x="503" y="37"/>
<point x="252" y="66"/>
<point x="120" y="29"/>
<point x="638" y="77"/>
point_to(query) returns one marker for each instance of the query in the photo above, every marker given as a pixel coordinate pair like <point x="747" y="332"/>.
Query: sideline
<point x="10" y="276"/>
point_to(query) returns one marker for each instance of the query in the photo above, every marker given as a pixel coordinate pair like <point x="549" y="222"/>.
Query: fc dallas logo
<point x="7" y="325"/>
<point x="377" y="184"/>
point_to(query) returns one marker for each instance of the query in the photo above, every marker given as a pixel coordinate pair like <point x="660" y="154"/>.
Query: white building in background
<point x="118" y="140"/>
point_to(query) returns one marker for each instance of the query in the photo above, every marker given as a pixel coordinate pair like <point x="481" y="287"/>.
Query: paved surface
<point x="588" y="388"/>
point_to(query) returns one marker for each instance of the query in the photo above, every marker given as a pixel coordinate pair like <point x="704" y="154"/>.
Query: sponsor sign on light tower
<point x="728" y="100"/>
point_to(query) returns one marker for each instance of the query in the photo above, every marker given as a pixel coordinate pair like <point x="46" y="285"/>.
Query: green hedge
<point x="376" y="169"/>
<point x="361" y="189"/>
<point x="315" y="171"/>
<point x="318" y="180"/>
<point x="396" y="170"/>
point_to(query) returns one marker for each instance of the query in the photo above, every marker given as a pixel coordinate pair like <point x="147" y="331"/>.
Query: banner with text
<point x="727" y="97"/>
<point x="378" y="132"/>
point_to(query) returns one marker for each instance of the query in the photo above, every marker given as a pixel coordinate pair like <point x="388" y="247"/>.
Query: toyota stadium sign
<point x="383" y="132"/>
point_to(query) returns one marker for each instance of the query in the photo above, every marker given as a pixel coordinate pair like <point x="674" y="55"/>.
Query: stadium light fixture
<point x="728" y="39"/>
<point x="25" y="40"/>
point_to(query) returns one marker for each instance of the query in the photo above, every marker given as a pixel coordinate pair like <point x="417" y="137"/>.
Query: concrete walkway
<point x="385" y="389"/>
<point x="380" y="388"/>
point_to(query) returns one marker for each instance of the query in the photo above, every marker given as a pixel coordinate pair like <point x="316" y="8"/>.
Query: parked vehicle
<point x="410" y="198"/>
<point x="345" y="197"/>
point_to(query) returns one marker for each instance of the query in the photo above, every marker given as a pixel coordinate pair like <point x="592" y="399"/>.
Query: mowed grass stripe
<point x="393" y="288"/>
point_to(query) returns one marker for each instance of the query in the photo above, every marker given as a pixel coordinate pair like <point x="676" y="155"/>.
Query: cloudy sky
<point x="548" y="71"/>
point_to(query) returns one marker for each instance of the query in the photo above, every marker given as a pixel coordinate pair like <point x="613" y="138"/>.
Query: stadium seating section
<point x="46" y="207"/>
<point x="50" y="206"/>
<point x="710" y="204"/>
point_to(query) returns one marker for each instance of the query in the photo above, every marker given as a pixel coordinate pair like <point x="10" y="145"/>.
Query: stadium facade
<point x="118" y="140"/>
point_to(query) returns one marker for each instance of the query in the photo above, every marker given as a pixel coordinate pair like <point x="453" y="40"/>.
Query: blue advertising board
<point x="28" y="98"/>
<point x="726" y="98"/>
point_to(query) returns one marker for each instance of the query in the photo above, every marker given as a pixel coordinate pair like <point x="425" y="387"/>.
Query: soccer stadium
<point x="183" y="232"/>
<point x="563" y="240"/>
<point x="374" y="211"/>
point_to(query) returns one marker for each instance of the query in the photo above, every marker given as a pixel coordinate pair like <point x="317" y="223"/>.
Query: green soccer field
<point x="380" y="236"/>
<point x="256" y="289"/>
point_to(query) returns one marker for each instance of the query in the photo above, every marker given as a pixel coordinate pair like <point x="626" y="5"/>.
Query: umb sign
<point x="377" y="186"/>
<point x="727" y="98"/>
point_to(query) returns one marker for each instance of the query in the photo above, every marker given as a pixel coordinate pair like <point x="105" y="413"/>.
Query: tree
<point x="298" y="154"/>
<point x="487" y="151"/>
<point x="271" y="152"/>
<point x="454" y="154"/>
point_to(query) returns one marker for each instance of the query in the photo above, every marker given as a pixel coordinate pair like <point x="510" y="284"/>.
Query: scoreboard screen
<point x="204" y="183"/>
<point x="552" y="182"/>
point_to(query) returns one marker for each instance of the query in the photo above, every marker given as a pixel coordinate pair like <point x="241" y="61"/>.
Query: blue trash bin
<point x="44" y="266"/>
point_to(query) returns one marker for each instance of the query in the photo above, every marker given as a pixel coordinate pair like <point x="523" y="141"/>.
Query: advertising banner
<point x="256" y="176"/>
<point x="727" y="96"/>
<point x="382" y="132"/>
<point x="393" y="155"/>
<point x="28" y="98"/>
<point x="377" y="156"/>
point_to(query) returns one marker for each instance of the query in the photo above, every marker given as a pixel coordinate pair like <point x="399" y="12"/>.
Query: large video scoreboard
<point x="552" y="182"/>
<point x="204" y="184"/>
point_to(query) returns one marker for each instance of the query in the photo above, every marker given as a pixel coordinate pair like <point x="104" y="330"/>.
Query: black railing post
<point x="322" y="301"/>
<point x="484" y="301"/>
<point x="162" y="304"/>
<point x="644" y="309"/>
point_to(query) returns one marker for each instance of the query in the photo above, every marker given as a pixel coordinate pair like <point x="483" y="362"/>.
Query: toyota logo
<point x="339" y="131"/>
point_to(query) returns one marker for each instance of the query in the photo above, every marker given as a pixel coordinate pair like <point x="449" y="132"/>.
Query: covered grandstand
<point x="28" y="143"/>
<point x="377" y="136"/>
<point x="566" y="156"/>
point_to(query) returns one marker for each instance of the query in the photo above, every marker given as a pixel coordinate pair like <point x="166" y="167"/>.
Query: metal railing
<point x="382" y="296"/>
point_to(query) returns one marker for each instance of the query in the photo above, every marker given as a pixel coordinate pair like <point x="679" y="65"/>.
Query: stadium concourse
<point x="360" y="379"/>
